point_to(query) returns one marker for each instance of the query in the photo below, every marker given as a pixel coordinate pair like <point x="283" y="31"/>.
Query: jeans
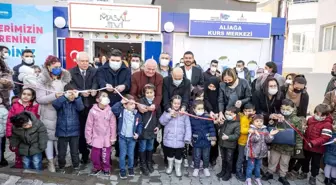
<point x="126" y="147"/>
<point x="35" y="160"/>
<point x="62" y="144"/>
<point x="241" y="162"/>
<point x="227" y="158"/>
<point x="313" y="159"/>
<point x="253" y="164"/>
<point x="201" y="153"/>
<point x="146" y="145"/>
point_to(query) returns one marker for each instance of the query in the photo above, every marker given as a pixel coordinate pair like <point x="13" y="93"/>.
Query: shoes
<point x="75" y="170"/>
<point x="206" y="172"/>
<point x="195" y="173"/>
<point x="186" y="163"/>
<point x="258" y="181"/>
<point x="150" y="162"/>
<point x="106" y="173"/>
<point x="94" y="172"/>
<point x="226" y="177"/>
<point x="240" y="176"/>
<point x="122" y="174"/>
<point x="283" y="181"/>
<point x="61" y="170"/>
<point x="3" y="163"/>
<point x="302" y="176"/>
<point x="143" y="165"/>
<point x="222" y="173"/>
<point x="292" y="175"/>
<point x="248" y="181"/>
<point x="267" y="176"/>
<point x="131" y="172"/>
<point x="178" y="164"/>
<point x="51" y="165"/>
<point x="312" y="180"/>
<point x="170" y="165"/>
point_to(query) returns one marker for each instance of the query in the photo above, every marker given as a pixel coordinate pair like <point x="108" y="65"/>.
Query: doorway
<point x="127" y="49"/>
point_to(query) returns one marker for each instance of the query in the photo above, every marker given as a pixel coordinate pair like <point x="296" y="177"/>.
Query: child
<point x="68" y="107"/>
<point x="228" y="135"/>
<point x="245" y="120"/>
<point x="256" y="148"/>
<point x="29" y="137"/>
<point x="151" y="128"/>
<point x="281" y="154"/>
<point x="203" y="136"/>
<point x="317" y="133"/>
<point x="100" y="133"/>
<point x="330" y="161"/>
<point x="129" y="128"/>
<point x="177" y="133"/>
<point x="197" y="94"/>
<point x="25" y="103"/>
<point x="3" y="120"/>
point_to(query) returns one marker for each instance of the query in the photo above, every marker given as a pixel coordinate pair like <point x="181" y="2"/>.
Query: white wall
<point x="302" y="11"/>
<point x="64" y="3"/>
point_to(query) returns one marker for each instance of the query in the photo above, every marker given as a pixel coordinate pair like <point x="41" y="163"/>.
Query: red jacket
<point x="318" y="133"/>
<point x="17" y="108"/>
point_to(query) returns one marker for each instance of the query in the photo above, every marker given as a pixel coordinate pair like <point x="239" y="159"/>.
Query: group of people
<point x="250" y="123"/>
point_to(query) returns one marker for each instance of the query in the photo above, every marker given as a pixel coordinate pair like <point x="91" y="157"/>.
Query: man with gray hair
<point x="84" y="78"/>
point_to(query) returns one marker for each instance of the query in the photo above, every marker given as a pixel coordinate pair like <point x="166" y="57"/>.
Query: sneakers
<point x="131" y="172"/>
<point x="186" y="163"/>
<point x="106" y="173"/>
<point x="195" y="173"/>
<point x="258" y="181"/>
<point x="122" y="174"/>
<point x="302" y="176"/>
<point x="312" y="180"/>
<point x="94" y="172"/>
<point x="248" y="181"/>
<point x="267" y="177"/>
<point x="61" y="170"/>
<point x="283" y="181"/>
<point x="240" y="176"/>
<point x="206" y="172"/>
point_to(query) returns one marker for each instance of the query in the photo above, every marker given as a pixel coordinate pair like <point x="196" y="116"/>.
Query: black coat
<point x="17" y="88"/>
<point x="207" y="75"/>
<point x="169" y="90"/>
<point x="304" y="101"/>
<point x="84" y="83"/>
<point x="211" y="97"/>
<point x="148" y="132"/>
<point x="197" y="78"/>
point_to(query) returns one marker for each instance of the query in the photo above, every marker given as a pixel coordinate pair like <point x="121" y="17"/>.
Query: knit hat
<point x="258" y="116"/>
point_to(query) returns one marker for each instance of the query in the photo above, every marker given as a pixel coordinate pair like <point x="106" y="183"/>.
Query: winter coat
<point x="256" y="146"/>
<point x="330" y="99"/>
<point x="148" y="132"/>
<point x="331" y="85"/>
<point x="244" y="127"/>
<point x="169" y="90"/>
<point x="203" y="132"/>
<point x="105" y="75"/>
<point x="247" y="74"/>
<point x="16" y="69"/>
<point x="101" y="127"/>
<point x="27" y="76"/>
<point x="118" y="111"/>
<point x="67" y="116"/>
<point x="318" y="133"/>
<point x="45" y="98"/>
<point x="30" y="141"/>
<point x="232" y="130"/>
<point x="304" y="101"/>
<point x="330" y="154"/>
<point x="211" y="97"/>
<point x="197" y="78"/>
<point x="6" y="87"/>
<point x="17" y="108"/>
<point x="177" y="130"/>
<point x="84" y="83"/>
<point x="227" y="97"/>
<point x="260" y="80"/>
<point x="3" y="120"/>
<point x="207" y="75"/>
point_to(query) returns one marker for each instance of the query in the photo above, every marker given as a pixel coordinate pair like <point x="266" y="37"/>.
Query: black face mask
<point x="333" y="73"/>
<point x="229" y="83"/>
<point x="297" y="91"/>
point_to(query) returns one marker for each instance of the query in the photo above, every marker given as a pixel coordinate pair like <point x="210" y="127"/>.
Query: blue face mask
<point x="150" y="101"/>
<point x="56" y="71"/>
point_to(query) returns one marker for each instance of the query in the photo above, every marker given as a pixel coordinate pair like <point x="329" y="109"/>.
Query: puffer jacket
<point x="203" y="132"/>
<point x="256" y="146"/>
<point x="45" y="98"/>
<point x="17" y="108"/>
<point x="318" y="133"/>
<point x="231" y="129"/>
<point x="30" y="141"/>
<point x="177" y="130"/>
<point x="153" y="117"/>
<point x="330" y="154"/>
<point x="67" y="124"/>
<point x="101" y="127"/>
<point x="3" y="119"/>
<point x="244" y="127"/>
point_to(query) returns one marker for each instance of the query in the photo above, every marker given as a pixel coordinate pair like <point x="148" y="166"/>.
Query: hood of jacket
<point x="101" y="111"/>
<point x="45" y="77"/>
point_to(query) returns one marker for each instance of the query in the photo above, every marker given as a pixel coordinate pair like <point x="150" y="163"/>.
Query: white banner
<point x="120" y="18"/>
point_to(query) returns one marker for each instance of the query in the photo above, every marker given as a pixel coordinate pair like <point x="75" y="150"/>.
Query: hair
<point x="214" y="62"/>
<point x="232" y="109"/>
<point x="230" y="72"/>
<point x="68" y="87"/>
<point x="27" y="51"/>
<point x="129" y="97"/>
<point x="265" y="85"/>
<point x="136" y="55"/>
<point x="51" y="60"/>
<point x="20" y="119"/>
<point x="13" y="98"/>
<point x="148" y="87"/>
<point x="288" y="102"/>
<point x="293" y="75"/>
<point x="188" y="53"/>
<point x="323" y="108"/>
<point x="100" y="93"/>
<point x="242" y="62"/>
<point x="196" y="103"/>
<point x="116" y="53"/>
<point x="3" y="66"/>
<point x="300" y="80"/>
<point x="273" y="66"/>
<point x="257" y="116"/>
<point x="249" y="106"/>
<point x="196" y="92"/>
<point x="36" y="67"/>
<point x="32" y="91"/>
<point x="3" y="47"/>
<point x="175" y="97"/>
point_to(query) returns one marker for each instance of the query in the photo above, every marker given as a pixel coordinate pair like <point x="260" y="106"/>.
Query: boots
<point x="51" y="165"/>
<point x="327" y="181"/>
<point x="143" y="166"/>
<point x="170" y="165"/>
<point x="222" y="173"/>
<point x="178" y="170"/>
<point x="150" y="161"/>
<point x="312" y="180"/>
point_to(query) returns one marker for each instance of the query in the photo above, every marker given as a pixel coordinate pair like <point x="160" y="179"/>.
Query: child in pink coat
<point x="100" y="133"/>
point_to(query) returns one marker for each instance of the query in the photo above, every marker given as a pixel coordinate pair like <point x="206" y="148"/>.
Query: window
<point x="303" y="42"/>
<point x="329" y="38"/>
<point x="304" y="1"/>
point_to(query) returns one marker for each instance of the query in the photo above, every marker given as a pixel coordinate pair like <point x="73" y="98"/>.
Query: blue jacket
<point x="203" y="131"/>
<point x="105" y="75"/>
<point x="118" y="111"/>
<point x="67" y="124"/>
<point x="330" y="154"/>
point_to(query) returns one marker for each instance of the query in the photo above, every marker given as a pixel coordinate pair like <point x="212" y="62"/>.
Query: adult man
<point x="332" y="83"/>
<point x="164" y="67"/>
<point x="242" y="71"/>
<point x="212" y="71"/>
<point x="97" y="62"/>
<point x="27" y="57"/>
<point x="193" y="73"/>
<point x="135" y="63"/>
<point x="83" y="77"/>
<point x="115" y="76"/>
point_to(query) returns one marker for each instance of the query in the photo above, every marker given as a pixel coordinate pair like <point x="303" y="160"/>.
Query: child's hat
<point x="257" y="116"/>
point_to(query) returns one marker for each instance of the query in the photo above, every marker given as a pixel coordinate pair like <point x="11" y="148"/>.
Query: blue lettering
<point x="17" y="52"/>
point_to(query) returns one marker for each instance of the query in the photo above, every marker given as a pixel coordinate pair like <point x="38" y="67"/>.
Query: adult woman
<point x="233" y="91"/>
<point x="271" y="70"/>
<point x="53" y="78"/>
<point x="289" y="78"/>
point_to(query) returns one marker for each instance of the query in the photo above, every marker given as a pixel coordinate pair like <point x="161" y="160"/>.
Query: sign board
<point x="232" y="24"/>
<point x="72" y="47"/>
<point x="119" y="18"/>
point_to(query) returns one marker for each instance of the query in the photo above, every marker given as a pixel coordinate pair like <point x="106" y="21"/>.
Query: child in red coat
<point x="26" y="102"/>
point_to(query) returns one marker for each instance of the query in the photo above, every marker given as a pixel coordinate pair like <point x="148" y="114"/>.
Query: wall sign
<point x="232" y="24"/>
<point x="115" y="18"/>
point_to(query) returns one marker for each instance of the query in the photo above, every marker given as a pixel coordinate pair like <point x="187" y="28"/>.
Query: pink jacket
<point x="100" y="129"/>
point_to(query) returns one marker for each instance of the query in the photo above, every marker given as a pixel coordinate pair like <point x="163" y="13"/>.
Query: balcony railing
<point x="304" y="1"/>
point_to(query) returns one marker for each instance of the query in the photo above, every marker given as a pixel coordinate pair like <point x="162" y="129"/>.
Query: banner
<point x="232" y="24"/>
<point x="26" y="27"/>
<point x="72" y="47"/>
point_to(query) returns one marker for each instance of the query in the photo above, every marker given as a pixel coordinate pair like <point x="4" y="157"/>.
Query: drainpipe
<point x="282" y="9"/>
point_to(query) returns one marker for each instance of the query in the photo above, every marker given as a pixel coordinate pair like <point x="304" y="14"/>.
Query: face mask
<point x="319" y="118"/>
<point x="115" y="65"/>
<point x="135" y="65"/>
<point x="199" y="113"/>
<point x="28" y="60"/>
<point x="228" y="117"/>
<point x="105" y="101"/>
<point x="238" y="69"/>
<point x="228" y="83"/>
<point x="150" y="100"/>
<point x="286" y="112"/>
<point x="177" y="82"/>
<point x="213" y="69"/>
<point x="56" y="71"/>
<point x="272" y="91"/>
<point x="333" y="73"/>
<point x="164" y="62"/>
<point x="5" y="55"/>
<point x="297" y="91"/>
<point x="265" y="71"/>
<point x="289" y="81"/>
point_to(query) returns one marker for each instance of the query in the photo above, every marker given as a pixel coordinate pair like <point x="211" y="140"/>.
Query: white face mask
<point x="135" y="65"/>
<point x="5" y="55"/>
<point x="115" y="65"/>
<point x="238" y="69"/>
<point x="289" y="81"/>
<point x="28" y="60"/>
<point x="213" y="69"/>
<point x="199" y="113"/>
<point x="177" y="82"/>
<point x="265" y="71"/>
<point x="273" y="91"/>
<point x="164" y="62"/>
<point x="104" y="100"/>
